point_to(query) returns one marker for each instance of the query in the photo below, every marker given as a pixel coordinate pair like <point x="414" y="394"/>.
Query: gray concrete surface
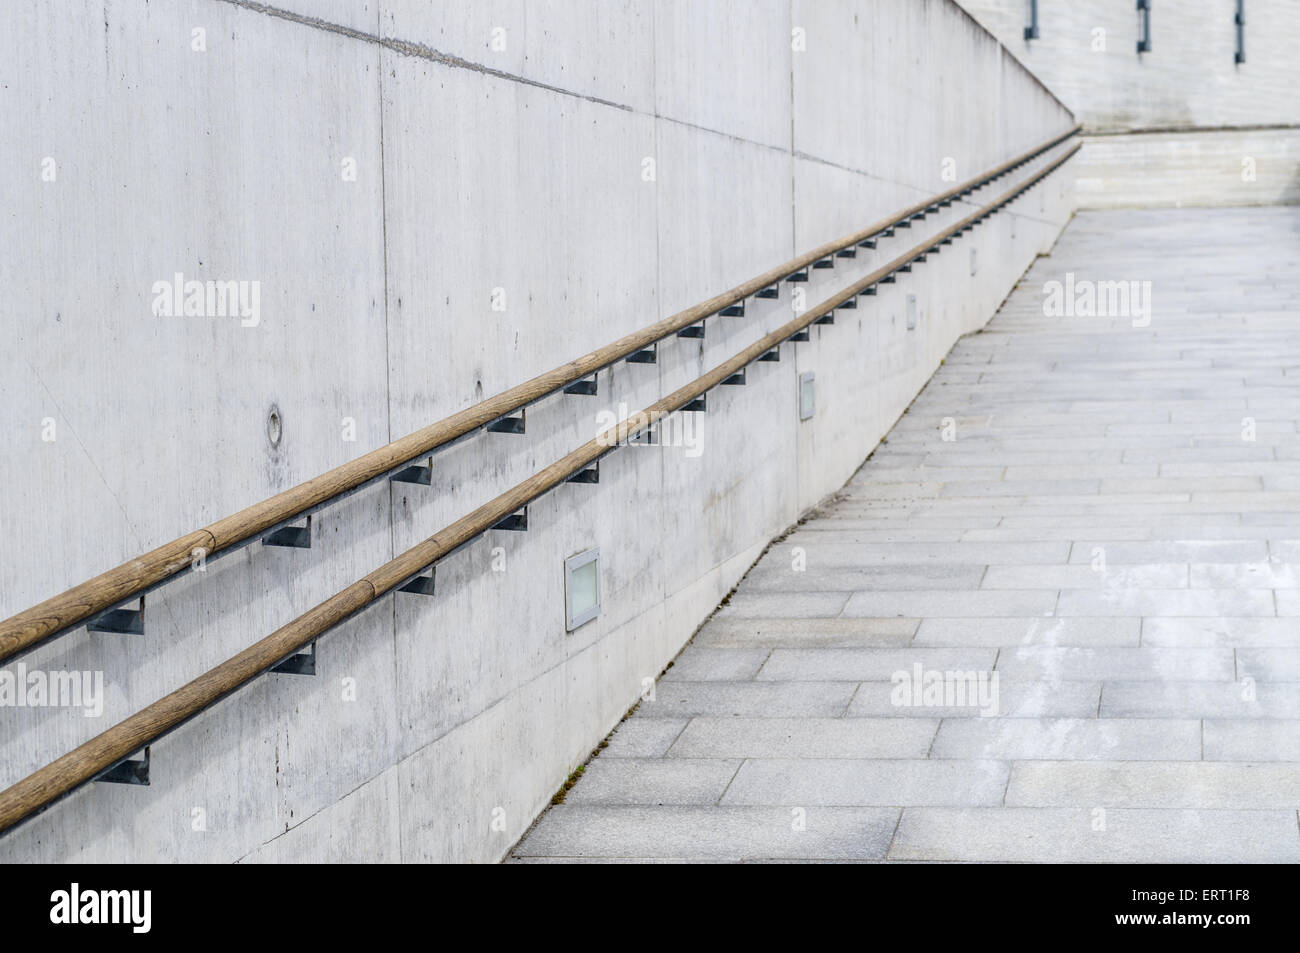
<point x="1126" y="493"/>
<point x="1191" y="168"/>
<point x="1086" y="53"/>
<point x="1183" y="124"/>
<point x="381" y="168"/>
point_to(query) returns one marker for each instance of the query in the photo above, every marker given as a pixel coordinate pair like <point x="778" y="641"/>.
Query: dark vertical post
<point x="1144" y="26"/>
<point x="1031" y="31"/>
<point x="1240" y="18"/>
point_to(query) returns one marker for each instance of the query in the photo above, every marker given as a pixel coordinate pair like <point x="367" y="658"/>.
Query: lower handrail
<point x="65" y="774"/>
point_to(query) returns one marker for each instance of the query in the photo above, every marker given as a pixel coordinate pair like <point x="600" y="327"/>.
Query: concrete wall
<point x="1221" y="167"/>
<point x="436" y="729"/>
<point x="1242" y="120"/>
<point x="1087" y="55"/>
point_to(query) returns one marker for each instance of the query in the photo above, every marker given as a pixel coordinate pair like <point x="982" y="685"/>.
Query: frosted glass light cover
<point x="807" y="396"/>
<point x="582" y="587"/>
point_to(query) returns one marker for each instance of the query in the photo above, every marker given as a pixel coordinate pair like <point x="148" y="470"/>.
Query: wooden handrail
<point x="62" y="776"/>
<point x="70" y="608"/>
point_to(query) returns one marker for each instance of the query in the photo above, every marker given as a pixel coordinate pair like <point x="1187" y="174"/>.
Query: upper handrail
<point x="68" y="609"/>
<point x="65" y="774"/>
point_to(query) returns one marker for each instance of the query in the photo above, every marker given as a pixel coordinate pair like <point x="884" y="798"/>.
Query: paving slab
<point x="1170" y="602"/>
<point x="1221" y="631"/>
<point x="805" y="633"/>
<point x="1054" y="739"/>
<point x="677" y="699"/>
<point x="805" y="738"/>
<point x="654" y="781"/>
<point x="857" y="665"/>
<point x="1054" y="663"/>
<point x="705" y="664"/>
<point x="1095" y="835"/>
<point x="1175" y="784"/>
<point x="1110" y="630"/>
<point x="1251" y="740"/>
<point x="643" y="737"/>
<point x="1191" y="699"/>
<point x="853" y="782"/>
<point x="1072" y="634"/>
<point x="719" y="831"/>
<point x="1012" y="699"/>
<point x="955" y="603"/>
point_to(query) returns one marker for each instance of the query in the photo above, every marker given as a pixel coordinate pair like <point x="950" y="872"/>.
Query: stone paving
<point x="1103" y="513"/>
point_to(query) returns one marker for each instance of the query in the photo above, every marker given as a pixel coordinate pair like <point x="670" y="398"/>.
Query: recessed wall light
<point x="581" y="588"/>
<point x="807" y="395"/>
